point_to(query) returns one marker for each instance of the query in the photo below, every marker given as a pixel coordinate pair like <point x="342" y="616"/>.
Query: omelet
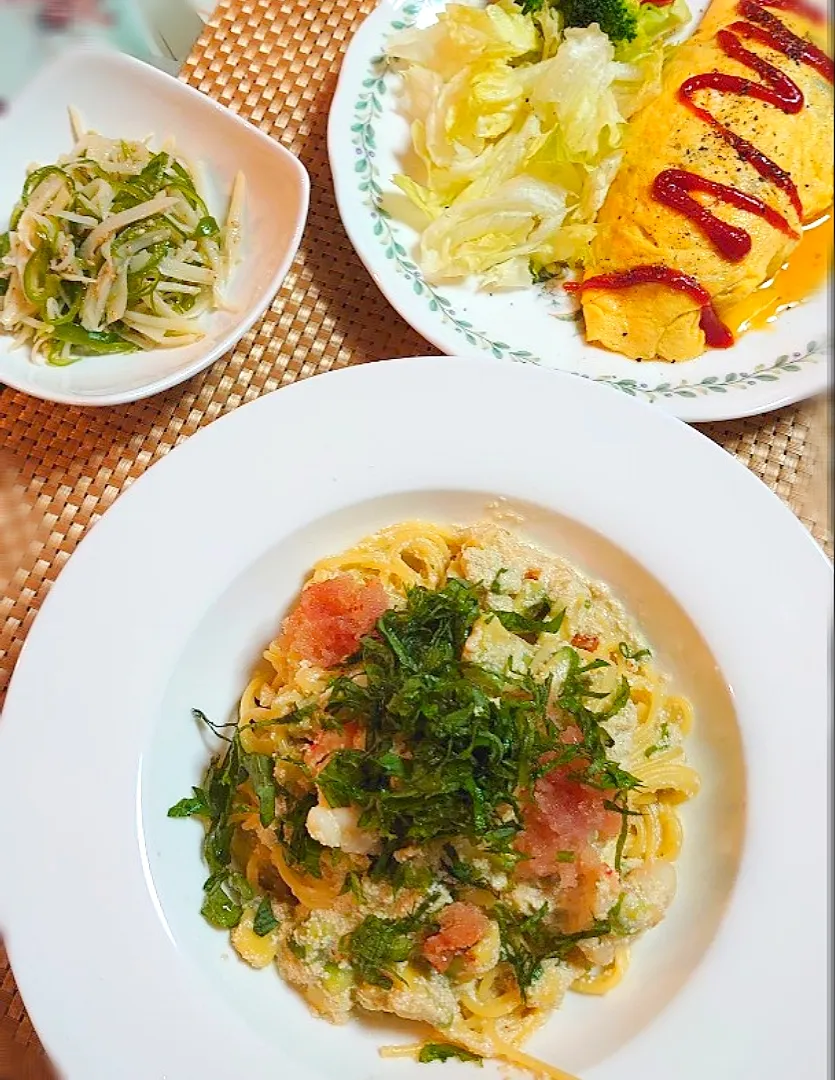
<point x="654" y="321"/>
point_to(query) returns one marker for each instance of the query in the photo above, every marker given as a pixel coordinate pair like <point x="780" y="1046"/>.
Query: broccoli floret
<point x="617" y="18"/>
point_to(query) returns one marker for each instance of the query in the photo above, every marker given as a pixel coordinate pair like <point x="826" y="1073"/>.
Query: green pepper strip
<point x="53" y="358"/>
<point x="191" y="197"/>
<point x="144" y="281"/>
<point x="129" y="194"/>
<point x="206" y="226"/>
<point x="33" y="181"/>
<point x="72" y="294"/>
<point x="89" y="166"/>
<point x="95" y="342"/>
<point x="182" y="173"/>
<point x="47" y="233"/>
<point x="176" y="229"/>
<point x="36" y="178"/>
<point x="184" y="304"/>
<point x="139" y="228"/>
<point x="38" y="284"/>
<point x="152" y="177"/>
<point x="5" y="248"/>
<point x="142" y="285"/>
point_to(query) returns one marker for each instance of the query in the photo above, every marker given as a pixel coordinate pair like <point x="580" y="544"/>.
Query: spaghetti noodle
<point x="452" y="792"/>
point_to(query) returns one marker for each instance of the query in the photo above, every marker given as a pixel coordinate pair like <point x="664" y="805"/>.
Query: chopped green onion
<point x="628" y="654"/>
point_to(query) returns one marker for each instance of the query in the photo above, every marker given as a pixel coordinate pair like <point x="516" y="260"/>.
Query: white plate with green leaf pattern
<point x="367" y="139"/>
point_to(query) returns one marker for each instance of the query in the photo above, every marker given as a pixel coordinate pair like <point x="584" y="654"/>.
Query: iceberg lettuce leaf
<point x="517" y="124"/>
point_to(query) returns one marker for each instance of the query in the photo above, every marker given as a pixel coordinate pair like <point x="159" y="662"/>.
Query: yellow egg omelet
<point x="652" y="321"/>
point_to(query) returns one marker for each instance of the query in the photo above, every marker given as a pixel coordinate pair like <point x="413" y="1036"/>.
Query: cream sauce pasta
<point x="451" y="792"/>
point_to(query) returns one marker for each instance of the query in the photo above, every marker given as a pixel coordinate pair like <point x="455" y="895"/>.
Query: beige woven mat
<point x="275" y="63"/>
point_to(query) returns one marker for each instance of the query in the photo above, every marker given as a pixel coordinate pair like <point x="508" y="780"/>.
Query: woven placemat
<point x="276" y="64"/>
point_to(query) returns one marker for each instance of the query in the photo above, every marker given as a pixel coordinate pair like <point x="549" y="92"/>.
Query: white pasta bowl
<point x="100" y="891"/>
<point x="123" y="98"/>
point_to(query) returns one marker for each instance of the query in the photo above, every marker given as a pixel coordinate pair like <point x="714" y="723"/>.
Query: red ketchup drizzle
<point x="794" y="47"/>
<point x="717" y="335"/>
<point x="672" y="188"/>
<point x="797" y="7"/>
<point x="776" y="89"/>
<point x="782" y="93"/>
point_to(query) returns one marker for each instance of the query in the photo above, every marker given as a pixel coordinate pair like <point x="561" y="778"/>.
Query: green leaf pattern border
<point x="368" y="109"/>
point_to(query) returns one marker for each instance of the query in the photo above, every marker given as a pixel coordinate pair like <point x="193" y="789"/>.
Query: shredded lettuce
<point x="518" y="123"/>
<point x="497" y="235"/>
<point x="574" y="93"/>
<point x="466" y="35"/>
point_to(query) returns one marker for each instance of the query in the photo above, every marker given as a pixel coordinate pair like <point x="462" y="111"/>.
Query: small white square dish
<point x="122" y="98"/>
